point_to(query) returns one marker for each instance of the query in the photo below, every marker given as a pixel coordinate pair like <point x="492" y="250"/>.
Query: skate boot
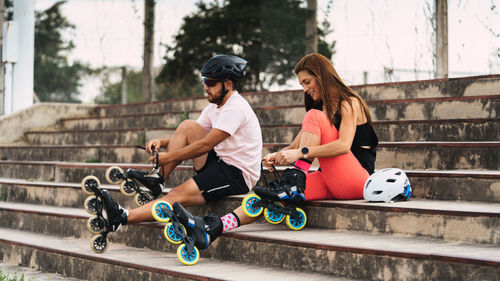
<point x="194" y="232"/>
<point x="108" y="216"/>
<point x="279" y="200"/>
<point x="146" y="187"/>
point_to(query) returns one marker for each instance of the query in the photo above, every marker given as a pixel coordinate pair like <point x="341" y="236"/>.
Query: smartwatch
<point x="305" y="151"/>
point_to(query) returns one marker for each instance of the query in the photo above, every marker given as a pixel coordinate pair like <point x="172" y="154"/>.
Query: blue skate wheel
<point x="274" y="217"/>
<point x="172" y="237"/>
<point x="248" y="205"/>
<point x="294" y="224"/>
<point x="158" y="211"/>
<point x="188" y="258"/>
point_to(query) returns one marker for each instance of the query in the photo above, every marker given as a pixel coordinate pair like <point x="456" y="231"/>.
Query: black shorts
<point x="216" y="179"/>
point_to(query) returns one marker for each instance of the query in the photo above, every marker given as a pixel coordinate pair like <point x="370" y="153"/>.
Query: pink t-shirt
<point x="243" y="148"/>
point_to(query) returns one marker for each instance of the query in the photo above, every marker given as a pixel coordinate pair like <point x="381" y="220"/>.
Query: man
<point x="225" y="143"/>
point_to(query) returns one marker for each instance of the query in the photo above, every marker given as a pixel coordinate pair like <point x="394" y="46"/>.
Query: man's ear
<point x="229" y="84"/>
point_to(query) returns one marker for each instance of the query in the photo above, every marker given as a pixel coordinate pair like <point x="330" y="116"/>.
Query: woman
<point x="337" y="129"/>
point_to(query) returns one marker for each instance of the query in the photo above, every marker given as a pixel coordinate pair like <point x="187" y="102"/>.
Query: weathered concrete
<point x="37" y="116"/>
<point x="72" y="257"/>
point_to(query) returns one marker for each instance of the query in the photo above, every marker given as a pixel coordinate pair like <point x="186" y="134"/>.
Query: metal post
<point x="2" y="14"/>
<point x="441" y="38"/>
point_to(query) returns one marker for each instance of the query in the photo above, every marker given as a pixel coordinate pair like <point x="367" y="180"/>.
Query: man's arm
<point x="195" y="149"/>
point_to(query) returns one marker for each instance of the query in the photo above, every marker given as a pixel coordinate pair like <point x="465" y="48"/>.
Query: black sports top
<point x="365" y="136"/>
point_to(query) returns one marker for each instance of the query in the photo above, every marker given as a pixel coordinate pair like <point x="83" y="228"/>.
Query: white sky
<point x="370" y="34"/>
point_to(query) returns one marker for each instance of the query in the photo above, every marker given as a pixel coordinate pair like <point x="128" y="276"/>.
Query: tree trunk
<point x="441" y="13"/>
<point x="147" y="70"/>
<point x="311" y="28"/>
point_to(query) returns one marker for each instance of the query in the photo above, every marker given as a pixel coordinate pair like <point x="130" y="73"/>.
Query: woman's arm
<point x="337" y="147"/>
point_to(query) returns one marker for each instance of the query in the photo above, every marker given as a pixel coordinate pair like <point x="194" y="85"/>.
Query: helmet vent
<point x="391" y="180"/>
<point x="376" y="192"/>
<point x="398" y="173"/>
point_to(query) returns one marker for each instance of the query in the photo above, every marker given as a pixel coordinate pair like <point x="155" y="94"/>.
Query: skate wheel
<point x="274" y="217"/>
<point x="98" y="244"/>
<point x="188" y="258"/>
<point x="294" y="224"/>
<point x="92" y="204"/>
<point x="157" y="210"/>
<point x="248" y="207"/>
<point x="170" y="234"/>
<point x="143" y="198"/>
<point x="89" y="183"/>
<point x="96" y="224"/>
<point x="114" y="175"/>
<point x="128" y="188"/>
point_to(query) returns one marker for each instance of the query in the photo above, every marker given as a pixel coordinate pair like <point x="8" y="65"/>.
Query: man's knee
<point x="191" y="129"/>
<point x="187" y="194"/>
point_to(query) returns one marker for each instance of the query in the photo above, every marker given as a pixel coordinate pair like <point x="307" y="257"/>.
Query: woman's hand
<point x="285" y="157"/>
<point x="269" y="161"/>
<point x="153" y="145"/>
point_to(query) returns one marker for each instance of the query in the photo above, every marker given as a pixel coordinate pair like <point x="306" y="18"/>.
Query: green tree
<point x="110" y="93"/>
<point x="56" y="79"/>
<point x="270" y="35"/>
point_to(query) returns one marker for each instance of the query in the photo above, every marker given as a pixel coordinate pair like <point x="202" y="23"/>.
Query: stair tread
<point x="150" y="260"/>
<point x="392" y="244"/>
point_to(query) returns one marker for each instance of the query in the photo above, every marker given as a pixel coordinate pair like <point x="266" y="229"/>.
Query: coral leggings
<point x="341" y="177"/>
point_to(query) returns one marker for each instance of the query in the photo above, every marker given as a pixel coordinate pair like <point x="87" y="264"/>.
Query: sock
<point x="230" y="221"/>
<point x="303" y="165"/>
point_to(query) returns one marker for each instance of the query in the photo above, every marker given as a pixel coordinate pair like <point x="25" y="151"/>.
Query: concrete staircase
<point x="444" y="133"/>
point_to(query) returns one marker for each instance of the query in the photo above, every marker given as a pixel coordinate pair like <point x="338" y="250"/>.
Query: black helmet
<point x="224" y="67"/>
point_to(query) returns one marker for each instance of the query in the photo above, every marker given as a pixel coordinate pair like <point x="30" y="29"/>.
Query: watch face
<point x="305" y="150"/>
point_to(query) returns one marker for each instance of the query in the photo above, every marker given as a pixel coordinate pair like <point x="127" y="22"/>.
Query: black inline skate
<point x="182" y="227"/>
<point x="278" y="200"/>
<point x="132" y="180"/>
<point x="108" y="216"/>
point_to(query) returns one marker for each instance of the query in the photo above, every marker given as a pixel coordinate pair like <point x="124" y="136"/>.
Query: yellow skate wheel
<point x="114" y="175"/>
<point x="88" y="182"/>
<point x="172" y="237"/>
<point x="294" y="224"/>
<point x="158" y="213"/>
<point x="272" y="217"/>
<point x="248" y="205"/>
<point x="188" y="258"/>
<point x="98" y="244"/>
<point x="92" y="204"/>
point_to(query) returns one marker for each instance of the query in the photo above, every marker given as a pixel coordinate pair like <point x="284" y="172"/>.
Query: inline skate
<point x="108" y="216"/>
<point x="132" y="181"/>
<point x="182" y="227"/>
<point x="279" y="200"/>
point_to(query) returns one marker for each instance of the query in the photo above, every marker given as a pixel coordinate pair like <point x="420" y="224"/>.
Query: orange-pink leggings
<point x="341" y="177"/>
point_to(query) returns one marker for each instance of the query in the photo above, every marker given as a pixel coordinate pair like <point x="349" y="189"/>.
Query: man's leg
<point x="188" y="194"/>
<point x="186" y="133"/>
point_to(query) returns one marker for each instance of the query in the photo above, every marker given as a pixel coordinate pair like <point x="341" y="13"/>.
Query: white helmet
<point x="388" y="185"/>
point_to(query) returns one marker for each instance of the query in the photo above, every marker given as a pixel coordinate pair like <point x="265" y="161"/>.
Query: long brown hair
<point x="332" y="89"/>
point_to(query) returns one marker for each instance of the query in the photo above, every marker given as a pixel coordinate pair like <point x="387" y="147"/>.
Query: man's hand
<point x="153" y="145"/>
<point x="163" y="158"/>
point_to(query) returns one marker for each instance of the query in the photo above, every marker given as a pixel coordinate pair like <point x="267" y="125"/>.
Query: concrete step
<point x="447" y="220"/>
<point x="438" y="184"/>
<point x="346" y="254"/>
<point x="397" y="109"/>
<point x="455" y="87"/>
<point x="16" y="272"/>
<point x="481" y="129"/>
<point x="72" y="257"/>
<point x="404" y="155"/>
